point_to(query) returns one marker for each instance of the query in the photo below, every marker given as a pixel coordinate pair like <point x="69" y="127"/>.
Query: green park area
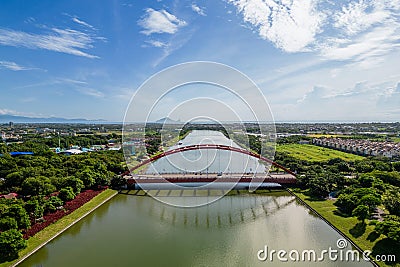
<point x="315" y="153"/>
<point x="58" y="227"/>
<point x="362" y="233"/>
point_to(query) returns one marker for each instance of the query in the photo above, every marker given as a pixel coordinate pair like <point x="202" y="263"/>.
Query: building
<point x="361" y="146"/>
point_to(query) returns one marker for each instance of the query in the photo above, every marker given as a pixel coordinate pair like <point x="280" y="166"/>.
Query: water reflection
<point x="226" y="212"/>
<point x="141" y="231"/>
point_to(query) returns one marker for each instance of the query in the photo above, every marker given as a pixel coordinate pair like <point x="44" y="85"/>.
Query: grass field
<point x="55" y="228"/>
<point x="396" y="139"/>
<point x="328" y="135"/>
<point x="362" y="235"/>
<point x="315" y="153"/>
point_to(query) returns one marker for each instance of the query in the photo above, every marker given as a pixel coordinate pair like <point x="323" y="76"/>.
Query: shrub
<point x="66" y="194"/>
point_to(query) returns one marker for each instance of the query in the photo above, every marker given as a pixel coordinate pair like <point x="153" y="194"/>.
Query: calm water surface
<point x="140" y="231"/>
<point x="209" y="160"/>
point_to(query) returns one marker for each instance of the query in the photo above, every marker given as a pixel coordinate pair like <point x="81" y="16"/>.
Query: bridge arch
<point x="208" y="146"/>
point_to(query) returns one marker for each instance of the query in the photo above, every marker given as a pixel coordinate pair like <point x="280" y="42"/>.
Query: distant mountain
<point x="167" y="120"/>
<point x="23" y="119"/>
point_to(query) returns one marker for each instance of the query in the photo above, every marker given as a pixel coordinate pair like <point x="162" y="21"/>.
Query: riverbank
<point x="52" y="231"/>
<point x="362" y="235"/>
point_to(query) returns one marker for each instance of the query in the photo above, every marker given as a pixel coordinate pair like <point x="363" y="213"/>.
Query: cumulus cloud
<point x="12" y="66"/>
<point x="289" y="25"/>
<point x="359" y="31"/>
<point x="198" y="10"/>
<point x="160" y="21"/>
<point x="66" y="41"/>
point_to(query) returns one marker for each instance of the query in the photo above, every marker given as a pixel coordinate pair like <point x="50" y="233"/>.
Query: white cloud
<point x="359" y="31"/>
<point x="160" y="21"/>
<point x="83" y="23"/>
<point x="368" y="31"/>
<point x="4" y="111"/>
<point x="198" y="10"/>
<point x="12" y="66"/>
<point x="155" y="43"/>
<point x="91" y="92"/>
<point x="174" y="44"/>
<point x="374" y="43"/>
<point x="359" y="16"/>
<point x="289" y="25"/>
<point x="363" y="101"/>
<point x="66" y="41"/>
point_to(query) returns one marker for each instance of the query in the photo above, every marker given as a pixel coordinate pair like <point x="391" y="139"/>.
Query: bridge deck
<point x="208" y="178"/>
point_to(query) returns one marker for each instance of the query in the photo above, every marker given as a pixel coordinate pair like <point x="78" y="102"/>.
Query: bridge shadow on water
<point x="237" y="207"/>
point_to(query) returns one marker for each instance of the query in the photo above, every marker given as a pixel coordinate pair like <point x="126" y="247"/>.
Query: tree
<point x="361" y="212"/>
<point x="382" y="166"/>
<point x="86" y="176"/>
<point x="11" y="242"/>
<point x="73" y="182"/>
<point x="363" y="166"/>
<point x="18" y="212"/>
<point x="370" y="201"/>
<point x="51" y="204"/>
<point x="392" y="178"/>
<point x="347" y="203"/>
<point x="343" y="166"/>
<point x="102" y="179"/>
<point x="40" y="185"/>
<point x="396" y="165"/>
<point x="366" y="180"/>
<point x="389" y="228"/>
<point x="8" y="223"/>
<point x="34" y="208"/>
<point x="320" y="186"/>
<point x="66" y="194"/>
<point x="14" y="179"/>
<point x="391" y="200"/>
<point x="118" y="181"/>
<point x="7" y="164"/>
<point x="379" y="185"/>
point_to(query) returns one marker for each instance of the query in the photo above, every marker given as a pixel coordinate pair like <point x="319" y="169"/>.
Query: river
<point x="137" y="230"/>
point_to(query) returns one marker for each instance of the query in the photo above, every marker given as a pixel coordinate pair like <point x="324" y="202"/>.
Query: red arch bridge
<point x="286" y="178"/>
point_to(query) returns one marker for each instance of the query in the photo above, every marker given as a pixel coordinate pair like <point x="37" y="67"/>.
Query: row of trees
<point x="360" y="187"/>
<point x="41" y="175"/>
<point x="46" y="181"/>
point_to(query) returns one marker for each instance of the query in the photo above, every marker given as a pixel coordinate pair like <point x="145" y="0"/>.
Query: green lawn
<point x="55" y="228"/>
<point x="315" y="153"/>
<point x="328" y="135"/>
<point x="361" y="234"/>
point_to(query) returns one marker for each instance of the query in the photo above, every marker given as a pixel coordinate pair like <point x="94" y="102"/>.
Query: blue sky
<point x="313" y="60"/>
